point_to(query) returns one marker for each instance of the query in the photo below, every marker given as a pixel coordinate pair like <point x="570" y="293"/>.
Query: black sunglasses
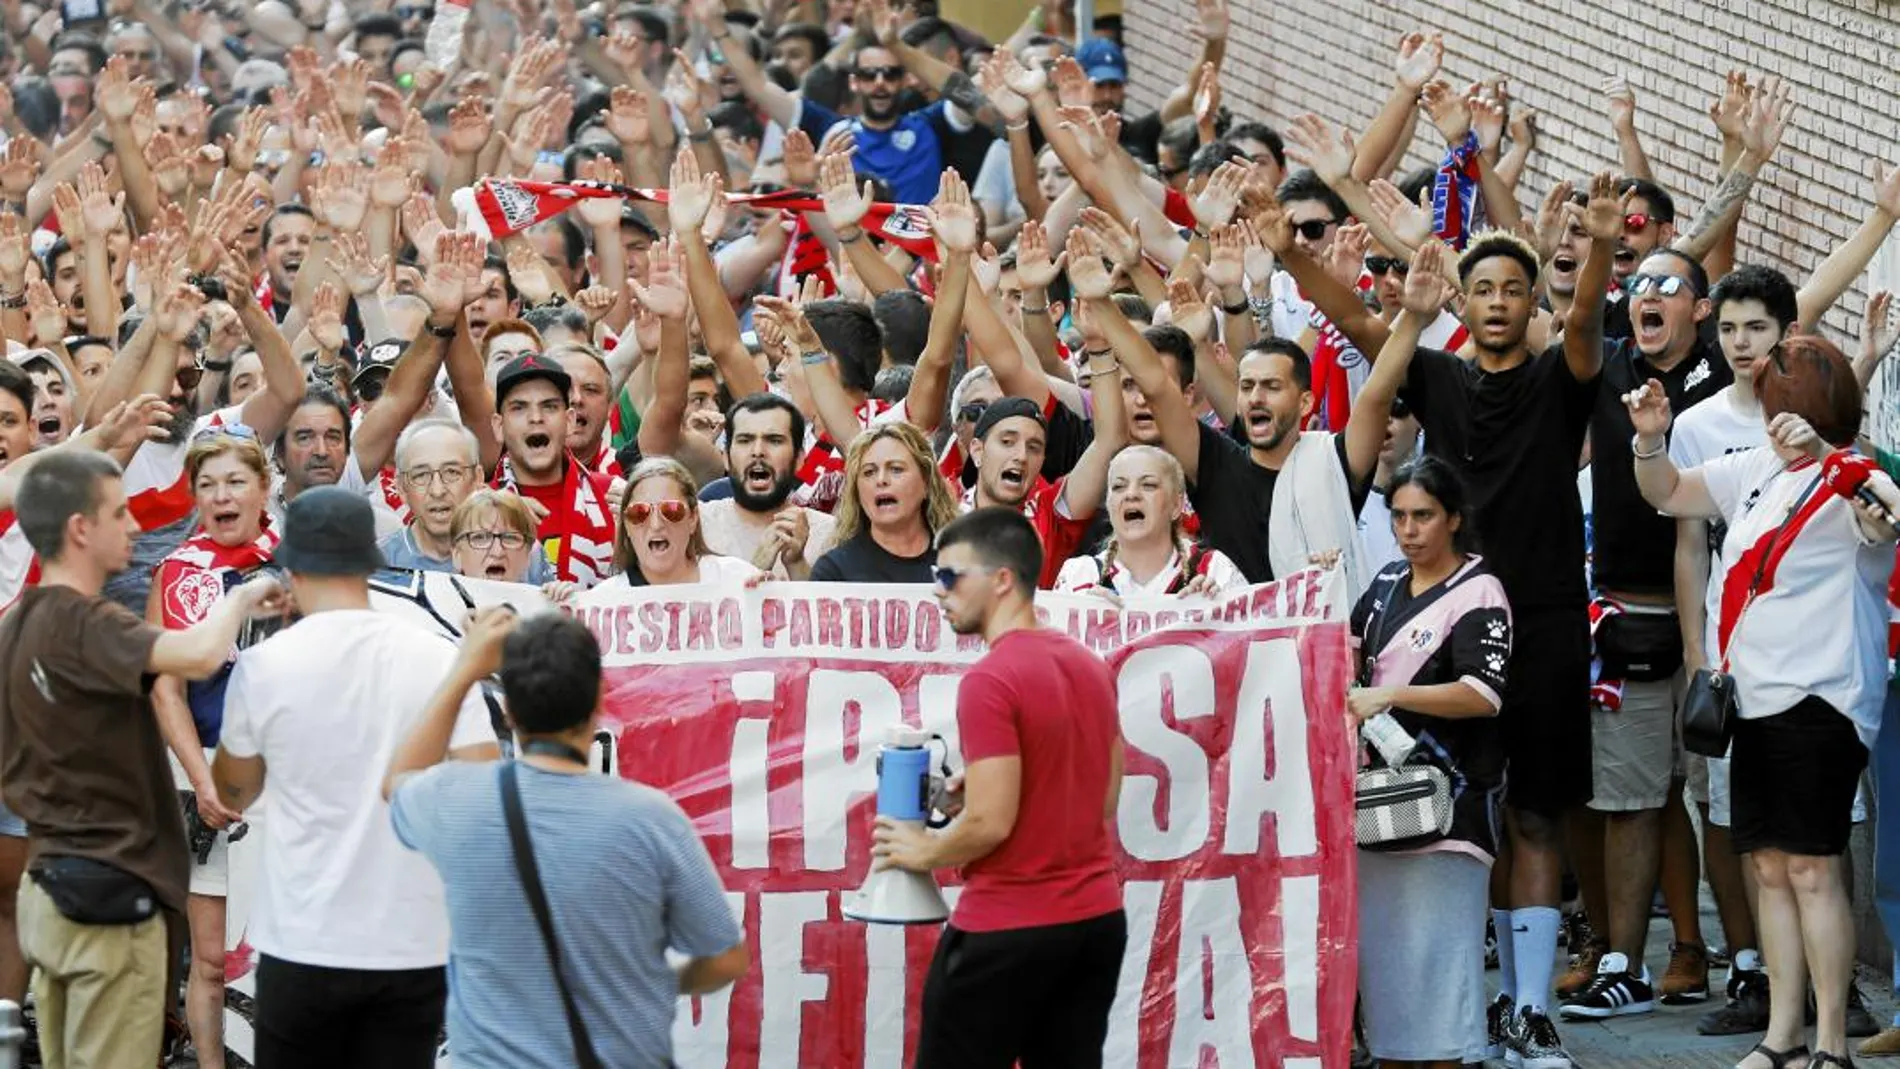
<point x="1314" y="229"/>
<point x="972" y="411"/>
<point x="1664" y="285"/>
<point x="948" y="578"/>
<point x="190" y="377"/>
<point x="1382" y="265"/>
<point x="872" y="74"/>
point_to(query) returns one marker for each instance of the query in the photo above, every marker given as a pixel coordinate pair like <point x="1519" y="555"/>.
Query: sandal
<point x="1779" y="1059"/>
<point x="1821" y="1057"/>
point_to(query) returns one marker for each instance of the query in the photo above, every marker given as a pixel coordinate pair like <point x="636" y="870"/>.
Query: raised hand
<point x="469" y="127"/>
<point x="986" y="268"/>
<point x="692" y="193"/>
<point x="1312" y="141"/>
<point x="248" y="140"/>
<point x="1120" y="244"/>
<point x="1603" y="215"/>
<point x="600" y="213"/>
<point x="1220" y="198"/>
<point x="529" y="273"/>
<point x="1523" y="127"/>
<point x="1073" y="89"/>
<point x="993" y="79"/>
<point x="178" y="311"/>
<point x="595" y="302"/>
<point x="1258" y="258"/>
<point x="1620" y="100"/>
<point x="1034" y="269"/>
<point x="1188" y="310"/>
<point x="1552" y="218"/>
<point x="1418" y="60"/>
<point x="1887" y="189"/>
<point x="522" y="88"/>
<point x="952" y="216"/>
<point x="1446" y="109"/>
<point x="1027" y="82"/>
<point x="1346" y="256"/>
<point x="664" y="293"/>
<point x="19" y="167"/>
<point x="1215" y="21"/>
<point x="801" y="160"/>
<point x="627" y="117"/>
<point x="114" y="92"/>
<point x="454" y="278"/>
<point x="1410" y="223"/>
<point x="351" y="261"/>
<point x="1206" y="99"/>
<point x="389" y="182"/>
<point x="1487" y="121"/>
<point x="1729" y="112"/>
<point x="1227" y="257"/>
<point x="44" y="316"/>
<point x="1088" y="271"/>
<point x="1427" y="290"/>
<point x="1769" y="114"/>
<point x="845" y="202"/>
<point x="340" y="195"/>
<point x="326" y="318"/>
<point x="1649" y="409"/>
<point x="421" y="224"/>
<point x="1878" y="332"/>
<point x="14" y="251"/>
<point x="170" y="171"/>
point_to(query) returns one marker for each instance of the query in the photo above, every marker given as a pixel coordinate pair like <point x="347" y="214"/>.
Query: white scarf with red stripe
<point x="586" y="554"/>
<point x="19" y="565"/>
<point x="190" y="580"/>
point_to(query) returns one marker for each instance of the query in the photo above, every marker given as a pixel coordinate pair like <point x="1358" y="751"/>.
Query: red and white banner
<point x="760" y="712"/>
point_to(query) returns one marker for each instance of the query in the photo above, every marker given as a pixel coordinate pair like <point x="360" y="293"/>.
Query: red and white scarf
<point x="190" y="580"/>
<point x="586" y="553"/>
<point x="19" y="565"/>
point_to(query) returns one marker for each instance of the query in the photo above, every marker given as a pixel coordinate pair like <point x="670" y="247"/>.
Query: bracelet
<point x="1637" y="450"/>
<point x="1239" y="308"/>
<point x="1042" y="311"/>
<point x="857" y="235"/>
<point x="444" y="333"/>
<point x="814" y="357"/>
<point x="1016" y="127"/>
<point x="13" y="300"/>
<point x="701" y="137"/>
<point x="218" y="366"/>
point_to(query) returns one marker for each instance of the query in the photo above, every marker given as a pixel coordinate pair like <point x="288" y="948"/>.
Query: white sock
<point x="1507" y="953"/>
<point x="1534" y="935"/>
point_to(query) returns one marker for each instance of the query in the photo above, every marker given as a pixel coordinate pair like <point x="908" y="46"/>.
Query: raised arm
<point x="1669" y="490"/>
<point x="1769" y="115"/>
<point x="1583" y="328"/>
<point x="1087" y="483"/>
<point x="1088" y="276"/>
<point x="692" y="196"/>
<point x="269" y="409"/>
<point x="780" y="106"/>
<point x="1426" y="292"/>
<point x="1418" y="60"/>
<point x="953" y="218"/>
<point x="1620" y="99"/>
<point x="664" y="295"/>
<point x="1852" y="256"/>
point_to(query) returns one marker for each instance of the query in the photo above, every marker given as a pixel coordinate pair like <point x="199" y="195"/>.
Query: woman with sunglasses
<point x="1149" y="551"/>
<point x="894" y="504"/>
<point x="229" y="477"/>
<point x="1433" y="634"/>
<point x="658" y="542"/>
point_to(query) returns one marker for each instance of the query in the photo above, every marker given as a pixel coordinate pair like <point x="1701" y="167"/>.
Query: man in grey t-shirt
<point x="624" y="872"/>
<point x="438" y="465"/>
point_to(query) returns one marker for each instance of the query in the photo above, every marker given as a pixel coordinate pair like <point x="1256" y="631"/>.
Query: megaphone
<point x="897" y="896"/>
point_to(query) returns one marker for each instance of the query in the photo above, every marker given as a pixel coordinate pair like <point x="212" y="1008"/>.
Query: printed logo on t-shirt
<point x="1422" y="638"/>
<point x="1697" y="375"/>
<point x="904" y="140"/>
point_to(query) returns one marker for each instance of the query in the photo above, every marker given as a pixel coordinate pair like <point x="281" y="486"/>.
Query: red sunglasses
<point x="672" y="510"/>
<point x="1635" y="221"/>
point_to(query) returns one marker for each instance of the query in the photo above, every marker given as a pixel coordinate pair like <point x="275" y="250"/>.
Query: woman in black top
<point x="894" y="504"/>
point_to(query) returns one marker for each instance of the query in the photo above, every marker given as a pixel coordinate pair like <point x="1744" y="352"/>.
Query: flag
<point x="510" y="205"/>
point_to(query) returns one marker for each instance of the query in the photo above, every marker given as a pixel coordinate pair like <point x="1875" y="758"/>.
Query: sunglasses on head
<point x="1637" y="221"/>
<point x="1664" y="285"/>
<point x="226" y="430"/>
<point x="1385" y="265"/>
<point x="972" y="411"/>
<point x="872" y="74"/>
<point x="1314" y="229"/>
<point x="672" y="510"/>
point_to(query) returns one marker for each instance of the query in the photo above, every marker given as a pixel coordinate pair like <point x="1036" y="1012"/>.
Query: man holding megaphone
<point x="1027" y="966"/>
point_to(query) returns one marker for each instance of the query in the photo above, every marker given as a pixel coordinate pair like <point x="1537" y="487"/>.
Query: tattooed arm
<point x="1768" y="119"/>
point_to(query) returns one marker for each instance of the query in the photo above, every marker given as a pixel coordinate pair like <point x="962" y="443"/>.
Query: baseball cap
<point x="28" y="359"/>
<point x="329" y="531"/>
<point x="1006" y="408"/>
<point x="526" y="368"/>
<point x="381" y="358"/>
<point x="1102" y="60"/>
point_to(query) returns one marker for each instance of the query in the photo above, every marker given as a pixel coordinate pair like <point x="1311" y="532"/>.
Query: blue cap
<point x="1102" y="60"/>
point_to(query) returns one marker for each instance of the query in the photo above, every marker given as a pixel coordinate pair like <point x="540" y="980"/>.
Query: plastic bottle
<point x="1392" y="741"/>
<point x="443" y="45"/>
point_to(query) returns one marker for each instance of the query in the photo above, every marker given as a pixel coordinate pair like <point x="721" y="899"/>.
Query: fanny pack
<point x="1401" y="808"/>
<point x="1641" y="647"/>
<point x="87" y="891"/>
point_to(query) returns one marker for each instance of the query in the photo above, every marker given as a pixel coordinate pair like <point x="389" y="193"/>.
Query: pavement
<point x="1667" y="1039"/>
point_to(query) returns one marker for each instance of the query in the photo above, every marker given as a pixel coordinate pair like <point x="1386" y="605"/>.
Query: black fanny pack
<point x="86" y="891"/>
<point x="1641" y="647"/>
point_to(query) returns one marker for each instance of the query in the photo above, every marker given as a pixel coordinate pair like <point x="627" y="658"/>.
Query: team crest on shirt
<point x="1697" y="375"/>
<point x="908" y="221"/>
<point x="905" y="140"/>
<point x="193" y="595"/>
<point x="1422" y="638"/>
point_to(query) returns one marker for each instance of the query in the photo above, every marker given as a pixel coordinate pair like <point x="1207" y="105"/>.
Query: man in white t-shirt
<point x="351" y="928"/>
<point x="759" y="522"/>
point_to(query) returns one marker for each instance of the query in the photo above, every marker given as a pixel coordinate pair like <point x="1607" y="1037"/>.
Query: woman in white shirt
<point x="659" y="542"/>
<point x="1802" y="628"/>
<point x="1149" y="552"/>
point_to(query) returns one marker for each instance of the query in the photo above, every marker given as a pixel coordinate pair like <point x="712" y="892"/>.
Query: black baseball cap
<point x="329" y="531"/>
<point x="1007" y="408"/>
<point x="526" y="368"/>
<point x="379" y="359"/>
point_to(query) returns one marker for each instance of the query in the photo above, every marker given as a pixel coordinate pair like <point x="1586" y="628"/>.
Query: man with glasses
<point x="438" y="465"/>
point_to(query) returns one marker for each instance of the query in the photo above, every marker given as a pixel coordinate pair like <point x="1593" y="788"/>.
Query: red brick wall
<point x="1335" y="59"/>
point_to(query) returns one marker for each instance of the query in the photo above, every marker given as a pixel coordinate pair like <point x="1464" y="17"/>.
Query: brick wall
<point x="1335" y="59"/>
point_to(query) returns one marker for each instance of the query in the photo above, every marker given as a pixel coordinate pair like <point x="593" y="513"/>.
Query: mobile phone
<point x="76" y="11"/>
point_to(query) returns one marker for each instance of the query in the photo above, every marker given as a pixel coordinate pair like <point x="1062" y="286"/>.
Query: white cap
<point x="24" y="359"/>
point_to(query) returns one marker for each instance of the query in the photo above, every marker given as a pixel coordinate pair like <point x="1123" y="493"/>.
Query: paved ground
<point x="1667" y="1039"/>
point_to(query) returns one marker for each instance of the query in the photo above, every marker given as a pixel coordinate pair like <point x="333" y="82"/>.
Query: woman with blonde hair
<point x="230" y="478"/>
<point x="1149" y="550"/>
<point x="894" y="503"/>
<point x="658" y="542"/>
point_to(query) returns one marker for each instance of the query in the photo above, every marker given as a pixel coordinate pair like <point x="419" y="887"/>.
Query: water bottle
<point x="443" y="45"/>
<point x="1386" y="735"/>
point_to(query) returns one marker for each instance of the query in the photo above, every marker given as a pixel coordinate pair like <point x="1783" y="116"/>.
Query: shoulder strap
<point x="1761" y="566"/>
<point x="538" y="900"/>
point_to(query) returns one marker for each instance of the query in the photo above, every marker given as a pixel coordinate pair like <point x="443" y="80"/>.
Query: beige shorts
<point x="1634" y="749"/>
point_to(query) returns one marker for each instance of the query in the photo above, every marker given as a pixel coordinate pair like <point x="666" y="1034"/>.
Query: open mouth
<point x="49" y="427"/>
<point x="1144" y="421"/>
<point x="537" y="440"/>
<point x="1134" y="514"/>
<point x="225" y="517"/>
<point x="1649" y="325"/>
<point x="659" y="544"/>
<point x="884" y="502"/>
<point x="1011" y="478"/>
<point x="759" y="477"/>
<point x="1563" y="263"/>
<point x="292" y="263"/>
<point x="1259" y="422"/>
<point x="495" y="570"/>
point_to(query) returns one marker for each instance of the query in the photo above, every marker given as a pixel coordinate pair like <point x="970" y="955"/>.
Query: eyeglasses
<point x="1385" y="265"/>
<point x="226" y="430"/>
<point x="483" y="541"/>
<point x="1637" y="221"/>
<point x="139" y="55"/>
<point x="948" y="578"/>
<point x="1315" y="229"/>
<point x="1664" y="285"/>
<point x="672" y="510"/>
<point x="190" y="377"/>
<point x="450" y="476"/>
<point x="874" y="74"/>
<point x="972" y="411"/>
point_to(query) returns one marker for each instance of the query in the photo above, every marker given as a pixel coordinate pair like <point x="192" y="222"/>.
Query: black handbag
<point x="1710" y="706"/>
<point x="530" y="874"/>
<point x="88" y="891"/>
<point x="1641" y="647"/>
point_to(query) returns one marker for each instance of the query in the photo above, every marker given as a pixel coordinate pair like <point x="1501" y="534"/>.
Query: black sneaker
<point x="1616" y="992"/>
<point x="1532" y="1043"/>
<point x="1860" y="1023"/>
<point x="1746" y="1011"/>
<point x="1497" y="1024"/>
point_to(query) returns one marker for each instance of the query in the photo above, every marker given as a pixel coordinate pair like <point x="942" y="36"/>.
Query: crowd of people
<point x="1574" y="466"/>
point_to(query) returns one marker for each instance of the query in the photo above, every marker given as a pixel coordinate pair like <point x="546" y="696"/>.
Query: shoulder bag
<point x="1403" y="806"/>
<point x="530" y="874"/>
<point x="1709" y="707"/>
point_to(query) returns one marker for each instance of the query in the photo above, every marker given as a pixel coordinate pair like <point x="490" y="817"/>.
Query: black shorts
<point x="1792" y="778"/>
<point x="317" y="1017"/>
<point x="1035" y="996"/>
<point x="1546" y="713"/>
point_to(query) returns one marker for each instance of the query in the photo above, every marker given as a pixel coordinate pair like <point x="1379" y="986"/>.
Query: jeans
<point x="1885" y="767"/>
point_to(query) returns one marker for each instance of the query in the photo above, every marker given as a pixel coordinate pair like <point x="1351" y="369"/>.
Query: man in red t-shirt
<point x="1038" y="934"/>
<point x="1008" y="446"/>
